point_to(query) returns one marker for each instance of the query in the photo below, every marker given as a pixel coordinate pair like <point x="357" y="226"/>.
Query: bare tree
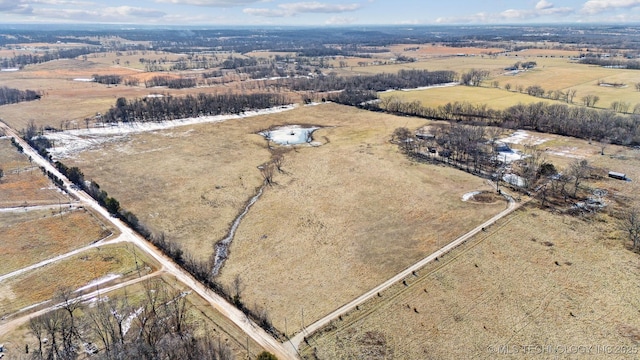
<point x="604" y="142"/>
<point x="1" y="174"/>
<point x="277" y="160"/>
<point x="266" y="170"/>
<point x="590" y="100"/>
<point x="631" y="225"/>
<point x="404" y="138"/>
<point x="531" y="164"/>
<point x="70" y="303"/>
<point x="579" y="170"/>
<point x="571" y="93"/>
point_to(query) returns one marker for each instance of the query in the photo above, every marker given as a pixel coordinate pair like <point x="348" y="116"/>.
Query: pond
<point x="290" y="134"/>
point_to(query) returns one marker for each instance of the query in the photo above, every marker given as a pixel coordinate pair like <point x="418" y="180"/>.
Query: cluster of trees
<point x="609" y="62"/>
<point x="558" y="119"/>
<point x="359" y="98"/>
<point x="107" y="79"/>
<point x="11" y="96"/>
<point x="195" y="62"/>
<point x="235" y="62"/>
<point x="474" y="77"/>
<point x="402" y="80"/>
<point x="524" y="65"/>
<point x="538" y="91"/>
<point x="471" y="148"/>
<point x="171" y="83"/>
<point x="158" y="327"/>
<point x="27" y="59"/>
<point x="17" y="145"/>
<point x="170" y="108"/>
<point x="34" y="138"/>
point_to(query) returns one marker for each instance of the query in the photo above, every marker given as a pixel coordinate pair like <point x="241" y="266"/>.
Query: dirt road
<point x="18" y="321"/>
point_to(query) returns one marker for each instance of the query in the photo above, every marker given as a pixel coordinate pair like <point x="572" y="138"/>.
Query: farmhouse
<point x="617" y="175"/>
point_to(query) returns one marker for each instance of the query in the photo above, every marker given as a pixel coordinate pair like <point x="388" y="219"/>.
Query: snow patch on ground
<point x="567" y="153"/>
<point x="71" y="142"/>
<point x="514" y="179"/>
<point x="468" y="196"/>
<point x="84" y="79"/>
<point x="290" y="134"/>
<point x="9" y="69"/>
<point x="524" y="137"/>
<point x="425" y="87"/>
<point x="33" y="306"/>
<point x="126" y="324"/>
<point x="99" y="281"/>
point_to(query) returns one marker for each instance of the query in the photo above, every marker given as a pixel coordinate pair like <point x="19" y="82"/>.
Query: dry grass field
<point x="41" y="284"/>
<point x="23" y="183"/>
<point x="494" y="98"/>
<point x="551" y="74"/>
<point x="27" y="240"/>
<point x="536" y="278"/>
<point x="352" y="206"/>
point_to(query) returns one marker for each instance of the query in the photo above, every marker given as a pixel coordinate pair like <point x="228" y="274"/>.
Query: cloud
<point x="340" y="20"/>
<point x="292" y="9"/>
<point x="119" y="14"/>
<point x="592" y="7"/>
<point x="15" y="7"/>
<point x="543" y="4"/>
<point x="212" y="3"/>
<point x="542" y="8"/>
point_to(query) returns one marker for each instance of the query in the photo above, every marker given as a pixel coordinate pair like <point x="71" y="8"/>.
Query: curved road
<point x="295" y="341"/>
<point x="260" y="336"/>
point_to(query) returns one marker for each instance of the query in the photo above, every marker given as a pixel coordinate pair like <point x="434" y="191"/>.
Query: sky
<point x="320" y="12"/>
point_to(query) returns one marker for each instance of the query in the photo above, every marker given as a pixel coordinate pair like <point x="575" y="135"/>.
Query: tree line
<point x="404" y="79"/>
<point x="171" y="83"/>
<point x="28" y="59"/>
<point x="171" y="108"/>
<point x="609" y="62"/>
<point x="561" y="119"/>
<point x="11" y="96"/>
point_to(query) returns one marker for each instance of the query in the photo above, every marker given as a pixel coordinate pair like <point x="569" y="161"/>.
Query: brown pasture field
<point x="494" y="98"/>
<point x="428" y="50"/>
<point x="67" y="103"/>
<point x="535" y="278"/>
<point x="207" y="321"/>
<point x="352" y="206"/>
<point x="23" y="183"/>
<point x="551" y="74"/>
<point x="502" y="288"/>
<point x="41" y="284"/>
<point x="31" y="240"/>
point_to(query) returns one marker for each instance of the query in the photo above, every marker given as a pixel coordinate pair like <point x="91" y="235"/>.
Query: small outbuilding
<point x="617" y="175"/>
